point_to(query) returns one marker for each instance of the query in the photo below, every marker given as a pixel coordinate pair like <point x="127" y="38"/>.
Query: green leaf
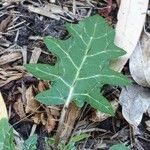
<point x="6" y="136"/>
<point x="82" y="65"/>
<point x="119" y="147"/>
<point x="79" y="137"/>
<point x="74" y="139"/>
<point x="30" y="143"/>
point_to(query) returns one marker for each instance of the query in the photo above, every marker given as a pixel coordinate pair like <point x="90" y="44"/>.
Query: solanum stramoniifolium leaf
<point x="82" y="66"/>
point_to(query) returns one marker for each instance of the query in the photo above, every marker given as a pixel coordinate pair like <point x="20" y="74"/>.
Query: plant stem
<point x="62" y="118"/>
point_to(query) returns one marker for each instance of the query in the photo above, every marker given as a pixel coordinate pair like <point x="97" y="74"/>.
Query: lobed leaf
<point x="82" y="66"/>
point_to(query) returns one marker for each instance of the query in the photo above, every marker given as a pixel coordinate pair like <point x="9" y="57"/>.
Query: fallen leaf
<point x="140" y="61"/>
<point x="135" y="101"/>
<point x="19" y="108"/>
<point x="50" y="124"/>
<point x="32" y="104"/>
<point x="98" y="116"/>
<point x="36" y="118"/>
<point x="55" y="111"/>
<point x="131" y="19"/>
<point x="43" y="85"/>
<point x="43" y="119"/>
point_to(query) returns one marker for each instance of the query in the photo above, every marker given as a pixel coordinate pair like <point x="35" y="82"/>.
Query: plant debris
<point x="23" y="25"/>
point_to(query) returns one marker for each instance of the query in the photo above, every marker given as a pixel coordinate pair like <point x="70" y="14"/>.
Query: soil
<point x="24" y="36"/>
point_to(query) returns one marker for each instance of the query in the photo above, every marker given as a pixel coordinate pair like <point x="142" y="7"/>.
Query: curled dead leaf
<point x="19" y="108"/>
<point x="50" y="123"/>
<point x="131" y="19"/>
<point x="32" y="104"/>
<point x="135" y="101"/>
<point x="36" y="118"/>
<point x="140" y="61"/>
<point x="43" y="85"/>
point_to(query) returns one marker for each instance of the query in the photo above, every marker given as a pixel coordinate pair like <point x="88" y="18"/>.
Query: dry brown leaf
<point x="43" y="85"/>
<point x="55" y="111"/>
<point x="32" y="104"/>
<point x="98" y="116"/>
<point x="19" y="108"/>
<point x="10" y="57"/>
<point x="36" y="118"/>
<point x="3" y="110"/>
<point x="50" y="124"/>
<point x="43" y="119"/>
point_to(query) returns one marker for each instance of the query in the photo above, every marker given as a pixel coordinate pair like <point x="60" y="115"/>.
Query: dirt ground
<point x="23" y="25"/>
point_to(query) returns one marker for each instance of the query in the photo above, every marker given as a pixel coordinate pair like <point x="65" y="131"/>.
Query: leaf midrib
<point x="78" y="71"/>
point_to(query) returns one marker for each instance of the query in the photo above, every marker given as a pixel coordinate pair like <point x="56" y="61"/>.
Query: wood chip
<point x="35" y="55"/>
<point x="5" y="23"/>
<point x="4" y="42"/>
<point x="10" y="74"/>
<point x="10" y="57"/>
<point x="44" y="12"/>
